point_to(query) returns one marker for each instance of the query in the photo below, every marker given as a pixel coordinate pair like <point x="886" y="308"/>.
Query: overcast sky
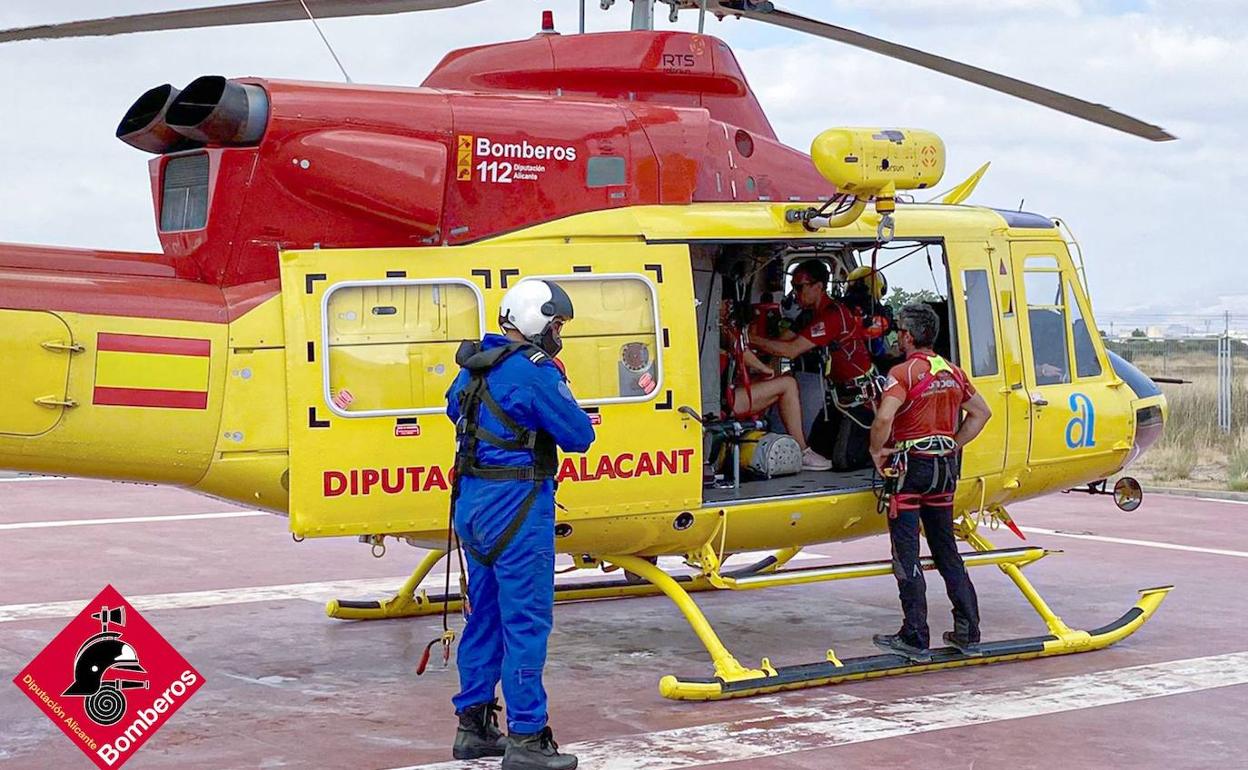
<point x="1154" y="219"/>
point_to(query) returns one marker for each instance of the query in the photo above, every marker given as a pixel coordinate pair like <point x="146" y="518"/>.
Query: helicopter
<point x="326" y="247"/>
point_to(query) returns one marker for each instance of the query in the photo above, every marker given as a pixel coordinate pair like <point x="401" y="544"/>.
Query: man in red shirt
<point x="834" y="327"/>
<point x="921" y="416"/>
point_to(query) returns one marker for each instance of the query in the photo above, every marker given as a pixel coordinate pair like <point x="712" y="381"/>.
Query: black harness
<point x="470" y="434"/>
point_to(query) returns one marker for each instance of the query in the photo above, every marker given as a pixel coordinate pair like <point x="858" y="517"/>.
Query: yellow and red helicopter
<point x="325" y="248"/>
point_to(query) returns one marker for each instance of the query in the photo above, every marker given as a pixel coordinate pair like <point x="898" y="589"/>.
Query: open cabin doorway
<point x="746" y="288"/>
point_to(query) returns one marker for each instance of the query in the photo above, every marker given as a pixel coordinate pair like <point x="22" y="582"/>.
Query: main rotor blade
<point x="224" y="16"/>
<point x="1095" y="113"/>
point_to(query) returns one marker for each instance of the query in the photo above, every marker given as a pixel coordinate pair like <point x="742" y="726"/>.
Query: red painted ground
<point x="288" y="687"/>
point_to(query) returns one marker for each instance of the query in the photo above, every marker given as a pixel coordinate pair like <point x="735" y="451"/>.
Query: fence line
<point x="1199" y="359"/>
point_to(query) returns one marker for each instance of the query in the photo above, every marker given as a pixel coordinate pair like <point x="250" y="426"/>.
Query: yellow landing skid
<point x="733" y="680"/>
<point x="412" y="601"/>
<point x="834" y="671"/>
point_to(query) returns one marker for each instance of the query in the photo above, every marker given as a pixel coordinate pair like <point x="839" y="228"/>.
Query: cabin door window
<point x="611" y="348"/>
<point x="388" y="347"/>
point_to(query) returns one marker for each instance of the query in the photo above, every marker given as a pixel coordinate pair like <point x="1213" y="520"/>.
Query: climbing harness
<point x="469" y="435"/>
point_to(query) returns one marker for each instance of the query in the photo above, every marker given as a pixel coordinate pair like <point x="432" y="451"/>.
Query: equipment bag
<point x="767" y="455"/>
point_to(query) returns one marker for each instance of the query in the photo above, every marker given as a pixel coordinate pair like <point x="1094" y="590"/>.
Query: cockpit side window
<point x="1086" y="362"/>
<point x="1046" y="316"/>
<point x="980" y="322"/>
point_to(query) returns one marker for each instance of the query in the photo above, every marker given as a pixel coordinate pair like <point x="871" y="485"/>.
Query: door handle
<point x="691" y="413"/>
<point x="52" y="402"/>
<point x="57" y="346"/>
<point x="1038" y="399"/>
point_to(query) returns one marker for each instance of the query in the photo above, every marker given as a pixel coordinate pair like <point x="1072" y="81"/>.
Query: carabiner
<point x="886" y="229"/>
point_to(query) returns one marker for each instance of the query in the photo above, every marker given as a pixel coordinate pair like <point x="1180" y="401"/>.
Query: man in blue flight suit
<point x="511" y="406"/>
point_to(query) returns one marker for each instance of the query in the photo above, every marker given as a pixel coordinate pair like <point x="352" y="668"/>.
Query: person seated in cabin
<point x="1048" y="346"/>
<point x="746" y="396"/>
<point x="831" y="331"/>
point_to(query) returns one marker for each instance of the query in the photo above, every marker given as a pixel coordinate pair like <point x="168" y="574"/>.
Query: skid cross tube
<point x="411" y="601"/>
<point x="1013" y="557"/>
<point x="1056" y="626"/>
<point x="726" y="666"/>
<point x="408" y="602"/>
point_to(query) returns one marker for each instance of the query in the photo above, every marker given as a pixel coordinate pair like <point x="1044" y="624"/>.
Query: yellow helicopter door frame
<point x="371" y="337"/>
<point x="1072" y="391"/>
<point x="978" y="334"/>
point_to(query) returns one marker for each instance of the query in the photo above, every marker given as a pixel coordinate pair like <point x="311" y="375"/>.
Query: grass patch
<point x="1172" y="463"/>
<point x="1193" y="448"/>
<point x="1237" y="469"/>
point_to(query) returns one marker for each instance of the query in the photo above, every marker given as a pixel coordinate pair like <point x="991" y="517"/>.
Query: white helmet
<point x="530" y="306"/>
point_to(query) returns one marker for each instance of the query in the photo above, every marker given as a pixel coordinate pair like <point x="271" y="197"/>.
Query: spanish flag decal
<point x="138" y="370"/>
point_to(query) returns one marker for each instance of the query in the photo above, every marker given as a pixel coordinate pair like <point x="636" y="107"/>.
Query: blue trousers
<point x="512" y="600"/>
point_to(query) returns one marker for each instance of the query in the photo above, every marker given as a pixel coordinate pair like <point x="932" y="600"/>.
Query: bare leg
<point x="791" y="411"/>
<point x="761" y="395"/>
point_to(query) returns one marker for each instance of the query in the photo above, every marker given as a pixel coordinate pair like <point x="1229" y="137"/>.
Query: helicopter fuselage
<point x="326" y="246"/>
<point x="324" y="402"/>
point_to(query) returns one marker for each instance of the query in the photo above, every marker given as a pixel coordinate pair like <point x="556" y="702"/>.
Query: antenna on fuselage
<point x="643" y="14"/>
<point x="325" y="40"/>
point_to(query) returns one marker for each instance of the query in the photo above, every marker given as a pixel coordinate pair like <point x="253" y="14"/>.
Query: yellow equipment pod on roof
<point x="867" y="161"/>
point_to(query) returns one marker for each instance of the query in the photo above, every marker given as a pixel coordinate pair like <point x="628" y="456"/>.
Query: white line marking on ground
<point x="188" y="599"/>
<point x="826" y="721"/>
<point x="1221" y="500"/>
<point x="317" y="592"/>
<point x="132" y="519"/>
<point x="18" y="479"/>
<point x="1128" y="541"/>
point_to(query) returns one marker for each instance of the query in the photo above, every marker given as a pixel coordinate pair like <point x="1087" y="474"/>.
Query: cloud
<point x="1153" y="219"/>
<point x="929" y="9"/>
<point x="1139" y="208"/>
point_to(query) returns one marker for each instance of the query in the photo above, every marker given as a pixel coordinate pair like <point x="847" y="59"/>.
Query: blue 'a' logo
<point x="1081" y="430"/>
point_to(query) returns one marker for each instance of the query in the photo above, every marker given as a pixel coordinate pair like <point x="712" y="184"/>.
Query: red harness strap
<point x="903" y="501"/>
<point x="739" y="373"/>
<point x="912" y="501"/>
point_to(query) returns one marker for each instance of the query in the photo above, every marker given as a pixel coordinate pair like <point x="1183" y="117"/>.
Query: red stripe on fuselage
<point x="142" y="343"/>
<point x="168" y="399"/>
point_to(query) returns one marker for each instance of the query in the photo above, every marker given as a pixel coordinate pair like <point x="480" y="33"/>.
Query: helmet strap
<point x="548" y="340"/>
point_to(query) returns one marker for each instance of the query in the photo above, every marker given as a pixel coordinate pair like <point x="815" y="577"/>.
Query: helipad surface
<point x="289" y="687"/>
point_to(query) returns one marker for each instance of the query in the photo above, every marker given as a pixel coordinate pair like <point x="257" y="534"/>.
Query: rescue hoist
<point x="870" y="164"/>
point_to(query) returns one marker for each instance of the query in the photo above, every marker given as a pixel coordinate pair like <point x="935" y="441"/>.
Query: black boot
<point x="963" y="645"/>
<point x="536" y="751"/>
<point x="897" y="643"/>
<point x="478" y="734"/>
